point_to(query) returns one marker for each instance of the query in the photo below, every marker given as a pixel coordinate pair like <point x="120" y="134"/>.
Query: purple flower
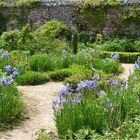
<point x="107" y="100"/>
<point x="124" y="82"/>
<point x="100" y="93"/>
<point x="114" y="56"/>
<point x="78" y="99"/>
<point x="5" y="55"/>
<point x="8" y="68"/>
<point x="110" y="81"/>
<point x="115" y="92"/>
<point x="64" y="90"/>
<point x="137" y="64"/>
<point x="15" y="73"/>
<point x="137" y="67"/>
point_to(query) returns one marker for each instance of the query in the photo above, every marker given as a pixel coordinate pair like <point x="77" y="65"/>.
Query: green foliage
<point x="9" y="40"/>
<point x="60" y="75"/>
<point x="52" y="29"/>
<point x="46" y="62"/>
<point x="11" y="104"/>
<point x="43" y="135"/>
<point x="131" y="14"/>
<point x="128" y="130"/>
<point x="25" y="38"/>
<point x="41" y="62"/>
<point x="95" y="12"/>
<point x="97" y="3"/>
<point x="108" y="65"/>
<point x="74" y="42"/>
<point x="118" y="45"/>
<point x="79" y="73"/>
<point x="125" y="57"/>
<point x="137" y="45"/>
<point x="32" y="78"/>
<point x="3" y="4"/>
<point x="98" y="114"/>
<point x="47" y="45"/>
<point x="29" y="3"/>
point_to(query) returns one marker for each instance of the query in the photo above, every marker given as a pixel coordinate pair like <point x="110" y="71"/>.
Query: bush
<point x="52" y="29"/>
<point x="60" y="75"/>
<point x="79" y="73"/>
<point x="41" y="62"/>
<point x="74" y="42"/>
<point x="9" y="40"/>
<point x="108" y="65"/>
<point x="118" y="45"/>
<point x="32" y="78"/>
<point x="125" y="57"/>
<point x="46" y="45"/>
<point x="25" y="38"/>
<point x="11" y="104"/>
<point x="137" y="45"/>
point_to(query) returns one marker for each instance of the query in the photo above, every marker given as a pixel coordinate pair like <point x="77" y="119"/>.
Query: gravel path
<point x="38" y="100"/>
<point x="127" y="68"/>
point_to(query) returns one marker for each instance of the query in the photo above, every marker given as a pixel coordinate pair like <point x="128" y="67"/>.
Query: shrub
<point x="79" y="73"/>
<point x="52" y="29"/>
<point x="74" y="42"/>
<point x="108" y="65"/>
<point x="41" y="62"/>
<point x="10" y="40"/>
<point x="44" y="44"/>
<point x="25" y="38"/>
<point x="32" y="78"/>
<point x="125" y="57"/>
<point x="60" y="75"/>
<point x="118" y="45"/>
<point x="137" y="45"/>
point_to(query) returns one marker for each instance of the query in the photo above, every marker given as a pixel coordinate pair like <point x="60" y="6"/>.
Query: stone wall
<point x="13" y="17"/>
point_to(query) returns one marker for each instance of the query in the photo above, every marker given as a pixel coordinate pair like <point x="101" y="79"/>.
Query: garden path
<point x="38" y="100"/>
<point x="127" y="68"/>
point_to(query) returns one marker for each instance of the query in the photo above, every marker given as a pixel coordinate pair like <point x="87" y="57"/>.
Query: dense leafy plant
<point x="32" y="78"/>
<point x="10" y="99"/>
<point x="60" y="75"/>
<point x="9" y="40"/>
<point x="74" y="42"/>
<point x="52" y="29"/>
<point x="108" y="65"/>
<point x="101" y="111"/>
<point x="119" y="45"/>
<point x="125" y="57"/>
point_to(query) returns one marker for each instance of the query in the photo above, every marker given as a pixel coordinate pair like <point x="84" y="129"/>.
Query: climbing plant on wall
<point x="95" y="11"/>
<point x="112" y="16"/>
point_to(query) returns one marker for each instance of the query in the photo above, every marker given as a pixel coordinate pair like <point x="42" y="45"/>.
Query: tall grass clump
<point x="10" y="99"/>
<point x="88" y="107"/>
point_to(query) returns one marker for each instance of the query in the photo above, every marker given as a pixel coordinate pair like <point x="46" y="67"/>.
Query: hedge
<point x="125" y="57"/>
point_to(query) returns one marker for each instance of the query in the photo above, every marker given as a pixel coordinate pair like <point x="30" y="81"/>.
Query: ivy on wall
<point x="94" y="14"/>
<point x="95" y="11"/>
<point x="131" y="14"/>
